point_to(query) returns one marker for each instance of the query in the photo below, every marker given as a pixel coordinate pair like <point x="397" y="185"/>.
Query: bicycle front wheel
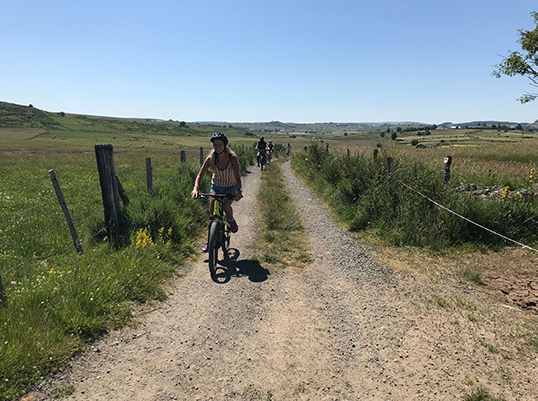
<point x="213" y="247"/>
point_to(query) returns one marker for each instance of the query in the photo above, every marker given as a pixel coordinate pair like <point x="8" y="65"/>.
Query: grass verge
<point x="282" y="239"/>
<point x="57" y="303"/>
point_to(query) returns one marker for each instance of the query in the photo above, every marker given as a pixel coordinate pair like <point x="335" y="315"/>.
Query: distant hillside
<point x="488" y="123"/>
<point x="17" y="116"/>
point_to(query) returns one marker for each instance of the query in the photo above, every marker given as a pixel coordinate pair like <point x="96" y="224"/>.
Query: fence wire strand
<point x="466" y="219"/>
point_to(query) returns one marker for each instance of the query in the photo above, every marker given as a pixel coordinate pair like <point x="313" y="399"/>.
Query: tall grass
<point x="361" y="192"/>
<point x="58" y="300"/>
<point x="282" y="239"/>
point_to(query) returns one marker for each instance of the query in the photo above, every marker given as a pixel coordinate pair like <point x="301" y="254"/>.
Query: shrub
<point x="362" y="194"/>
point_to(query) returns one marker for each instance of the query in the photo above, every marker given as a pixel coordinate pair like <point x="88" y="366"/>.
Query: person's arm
<point x="237" y="174"/>
<point x="199" y="177"/>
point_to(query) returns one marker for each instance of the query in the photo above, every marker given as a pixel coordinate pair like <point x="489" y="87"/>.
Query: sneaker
<point x="204" y="249"/>
<point x="233" y="225"/>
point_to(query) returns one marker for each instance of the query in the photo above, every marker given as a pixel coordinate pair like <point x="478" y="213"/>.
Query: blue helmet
<point x="221" y="137"/>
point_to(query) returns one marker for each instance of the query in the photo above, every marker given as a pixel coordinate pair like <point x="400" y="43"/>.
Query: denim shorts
<point x="222" y="190"/>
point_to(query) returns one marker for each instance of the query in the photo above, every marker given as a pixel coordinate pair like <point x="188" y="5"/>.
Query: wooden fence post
<point x="183" y="156"/>
<point x="149" y="175"/>
<point x="67" y="215"/>
<point x="327" y="147"/>
<point x="110" y="192"/>
<point x="347" y="152"/>
<point x="390" y="166"/>
<point x="123" y="194"/>
<point x="201" y="155"/>
<point x="3" y="296"/>
<point x="375" y="153"/>
<point x="448" y="162"/>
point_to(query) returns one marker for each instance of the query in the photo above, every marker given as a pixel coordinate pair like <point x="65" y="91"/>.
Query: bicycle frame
<point x="219" y="216"/>
<point x="219" y="230"/>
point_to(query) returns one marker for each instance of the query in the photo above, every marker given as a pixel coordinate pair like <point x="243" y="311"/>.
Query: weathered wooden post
<point x="183" y="156"/>
<point x="306" y="149"/>
<point x="67" y="215"/>
<point x="348" y="152"/>
<point x="110" y="192"/>
<point x="201" y="155"/>
<point x="3" y="296"/>
<point x="375" y="153"/>
<point x="390" y="167"/>
<point x="448" y="162"/>
<point x="123" y="194"/>
<point x="327" y="148"/>
<point x="149" y="175"/>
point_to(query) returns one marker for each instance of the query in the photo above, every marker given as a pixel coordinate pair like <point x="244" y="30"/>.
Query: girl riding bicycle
<point x="226" y="177"/>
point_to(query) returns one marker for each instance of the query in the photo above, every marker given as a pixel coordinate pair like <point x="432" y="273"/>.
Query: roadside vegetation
<point x="281" y="238"/>
<point x="362" y="194"/>
<point x="57" y="299"/>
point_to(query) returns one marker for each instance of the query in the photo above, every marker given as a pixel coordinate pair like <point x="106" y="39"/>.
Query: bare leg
<point x="227" y="206"/>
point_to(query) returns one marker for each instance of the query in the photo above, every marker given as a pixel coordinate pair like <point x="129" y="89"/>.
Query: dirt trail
<point x="342" y="328"/>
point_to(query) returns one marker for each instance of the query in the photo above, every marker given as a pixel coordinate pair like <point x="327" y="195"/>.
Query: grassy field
<point x="361" y="192"/>
<point x="81" y="296"/>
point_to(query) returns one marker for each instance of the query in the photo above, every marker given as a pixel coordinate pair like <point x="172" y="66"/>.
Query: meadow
<point x="361" y="192"/>
<point x="59" y="300"/>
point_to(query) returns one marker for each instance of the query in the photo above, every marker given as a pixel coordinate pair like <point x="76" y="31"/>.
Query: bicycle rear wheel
<point x="226" y="242"/>
<point x="213" y="247"/>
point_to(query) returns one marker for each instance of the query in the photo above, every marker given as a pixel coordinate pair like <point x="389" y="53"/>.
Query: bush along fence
<point x="112" y="193"/>
<point x="119" y="221"/>
<point x="60" y="291"/>
<point x="407" y="203"/>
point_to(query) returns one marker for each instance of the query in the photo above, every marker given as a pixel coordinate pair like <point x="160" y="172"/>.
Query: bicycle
<point x="262" y="158"/>
<point x="220" y="230"/>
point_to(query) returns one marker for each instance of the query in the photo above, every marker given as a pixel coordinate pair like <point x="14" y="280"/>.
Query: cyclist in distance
<point x="261" y="147"/>
<point x="226" y="177"/>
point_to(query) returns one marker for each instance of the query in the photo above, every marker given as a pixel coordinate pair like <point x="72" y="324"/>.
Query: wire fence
<point x="41" y="244"/>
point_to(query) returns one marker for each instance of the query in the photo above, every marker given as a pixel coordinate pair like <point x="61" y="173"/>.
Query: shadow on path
<point x="232" y="267"/>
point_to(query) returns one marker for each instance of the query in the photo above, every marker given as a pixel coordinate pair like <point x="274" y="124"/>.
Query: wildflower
<point x="506" y="192"/>
<point x="13" y="282"/>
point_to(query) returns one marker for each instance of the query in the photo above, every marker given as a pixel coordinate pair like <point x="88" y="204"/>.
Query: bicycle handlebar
<point x="217" y="196"/>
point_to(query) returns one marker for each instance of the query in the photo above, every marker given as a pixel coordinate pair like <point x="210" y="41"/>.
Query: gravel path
<point x="342" y="328"/>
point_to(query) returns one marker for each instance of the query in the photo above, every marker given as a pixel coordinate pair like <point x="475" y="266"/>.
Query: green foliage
<point x="482" y="394"/>
<point x="246" y="157"/>
<point x="282" y="229"/>
<point x="523" y="63"/>
<point x="361" y="192"/>
<point x="473" y="276"/>
<point x="57" y="299"/>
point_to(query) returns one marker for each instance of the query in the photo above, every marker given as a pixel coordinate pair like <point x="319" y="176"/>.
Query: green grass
<point x="360" y="191"/>
<point x="282" y="239"/>
<point x="473" y="276"/>
<point x="57" y="299"/>
<point x="482" y="394"/>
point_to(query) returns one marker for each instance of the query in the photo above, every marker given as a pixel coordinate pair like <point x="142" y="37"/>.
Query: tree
<point x="182" y="124"/>
<point x="393" y="136"/>
<point x="399" y="129"/>
<point x="523" y="63"/>
<point x="414" y="142"/>
<point x="382" y="134"/>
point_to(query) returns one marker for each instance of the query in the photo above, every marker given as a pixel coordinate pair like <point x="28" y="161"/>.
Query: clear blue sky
<point x="252" y="60"/>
